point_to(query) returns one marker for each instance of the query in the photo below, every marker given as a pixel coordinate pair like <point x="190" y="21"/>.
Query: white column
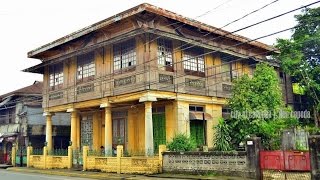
<point x="48" y="129"/>
<point x="73" y="133"/>
<point x="148" y="125"/>
<point x="148" y="129"/>
<point x="108" y="131"/>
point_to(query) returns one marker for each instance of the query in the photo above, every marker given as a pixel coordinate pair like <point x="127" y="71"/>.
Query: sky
<point x="27" y="25"/>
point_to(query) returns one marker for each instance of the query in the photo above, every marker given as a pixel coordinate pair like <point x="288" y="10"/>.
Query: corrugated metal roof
<point x="35" y="88"/>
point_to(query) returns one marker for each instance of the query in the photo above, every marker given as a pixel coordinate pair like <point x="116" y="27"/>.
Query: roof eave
<point x="135" y="10"/>
<point x="87" y="30"/>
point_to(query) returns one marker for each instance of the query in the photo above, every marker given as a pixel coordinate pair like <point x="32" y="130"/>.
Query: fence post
<point x="45" y="153"/>
<point x="69" y="157"/>
<point x="29" y="152"/>
<point x="119" y="155"/>
<point x="162" y="148"/>
<point x="84" y="157"/>
<point x="13" y="155"/>
<point x="314" y="149"/>
<point x="253" y="156"/>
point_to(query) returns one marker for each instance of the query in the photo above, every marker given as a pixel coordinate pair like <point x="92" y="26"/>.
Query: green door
<point x="159" y="130"/>
<point x="197" y="132"/>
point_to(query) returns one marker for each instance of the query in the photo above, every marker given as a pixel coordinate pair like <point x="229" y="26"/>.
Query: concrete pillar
<point x="29" y="152"/>
<point x="78" y="129"/>
<point x="314" y="149"/>
<point x="181" y="116"/>
<point x="69" y="157"/>
<point x="148" y="129"/>
<point x="253" y="146"/>
<point x="119" y="155"/>
<point x="73" y="135"/>
<point x="108" y="131"/>
<point x="148" y="126"/>
<point x="84" y="157"/>
<point x="162" y="148"/>
<point x="48" y="130"/>
<point x="45" y="154"/>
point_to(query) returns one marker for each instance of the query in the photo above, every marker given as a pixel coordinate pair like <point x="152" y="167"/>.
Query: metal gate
<point x="293" y="165"/>
<point x="86" y="130"/>
<point x="21" y="156"/>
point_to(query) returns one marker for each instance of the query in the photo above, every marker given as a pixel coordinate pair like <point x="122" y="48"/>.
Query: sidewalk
<point x="5" y="166"/>
<point x="102" y="175"/>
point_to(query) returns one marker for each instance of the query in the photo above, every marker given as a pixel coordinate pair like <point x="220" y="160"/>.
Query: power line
<point x="195" y="79"/>
<point x="143" y="71"/>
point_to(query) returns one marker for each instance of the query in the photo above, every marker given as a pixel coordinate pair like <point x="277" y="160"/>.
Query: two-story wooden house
<point x="137" y="78"/>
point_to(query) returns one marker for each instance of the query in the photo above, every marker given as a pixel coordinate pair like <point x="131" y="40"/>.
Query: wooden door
<point x="159" y="130"/>
<point x="119" y="132"/>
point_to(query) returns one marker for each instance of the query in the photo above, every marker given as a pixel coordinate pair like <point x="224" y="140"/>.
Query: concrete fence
<point x="46" y="161"/>
<point x="120" y="164"/>
<point x="237" y="163"/>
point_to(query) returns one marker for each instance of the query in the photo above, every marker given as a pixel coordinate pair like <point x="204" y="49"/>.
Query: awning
<point x="199" y="116"/>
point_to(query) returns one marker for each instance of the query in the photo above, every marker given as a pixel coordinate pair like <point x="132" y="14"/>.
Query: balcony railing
<point x="215" y="83"/>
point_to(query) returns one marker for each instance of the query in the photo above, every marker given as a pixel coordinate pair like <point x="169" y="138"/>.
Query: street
<point x="10" y="175"/>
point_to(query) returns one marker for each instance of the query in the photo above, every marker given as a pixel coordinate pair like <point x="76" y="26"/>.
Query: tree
<point x="255" y="104"/>
<point x="300" y="57"/>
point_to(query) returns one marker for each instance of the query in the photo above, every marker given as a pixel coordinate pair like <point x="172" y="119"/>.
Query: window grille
<point x="56" y="76"/>
<point x="193" y="61"/>
<point x="86" y="67"/>
<point x="164" y="52"/>
<point x="124" y="55"/>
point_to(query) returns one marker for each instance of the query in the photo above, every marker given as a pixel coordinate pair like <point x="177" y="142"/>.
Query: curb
<point x="70" y="174"/>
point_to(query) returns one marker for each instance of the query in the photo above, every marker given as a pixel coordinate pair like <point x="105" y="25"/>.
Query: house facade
<point x="22" y="121"/>
<point x="141" y="76"/>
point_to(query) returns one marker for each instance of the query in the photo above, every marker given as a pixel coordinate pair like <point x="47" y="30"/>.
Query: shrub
<point x="181" y="142"/>
<point x="222" y="136"/>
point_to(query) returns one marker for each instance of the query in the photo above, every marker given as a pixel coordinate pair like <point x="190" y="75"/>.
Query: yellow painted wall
<point x="132" y="117"/>
<point x="171" y="123"/>
<point x="96" y="130"/>
<point x="140" y="128"/>
<point x="181" y="116"/>
<point x="216" y="112"/>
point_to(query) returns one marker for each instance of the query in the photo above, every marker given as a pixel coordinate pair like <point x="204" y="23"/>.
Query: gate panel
<point x="271" y="160"/>
<point x="285" y="160"/>
<point x="297" y="161"/>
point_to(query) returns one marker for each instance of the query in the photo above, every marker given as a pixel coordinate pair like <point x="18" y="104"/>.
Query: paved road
<point x="10" y="175"/>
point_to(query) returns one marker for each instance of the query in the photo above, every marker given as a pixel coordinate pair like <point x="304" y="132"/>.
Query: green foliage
<point x="299" y="57"/>
<point x="300" y="146"/>
<point x="181" y="142"/>
<point x="312" y="130"/>
<point x="222" y="136"/>
<point x="258" y="102"/>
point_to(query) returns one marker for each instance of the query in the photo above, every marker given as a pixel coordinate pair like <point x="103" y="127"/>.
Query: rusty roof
<point x="138" y="9"/>
<point x="34" y="89"/>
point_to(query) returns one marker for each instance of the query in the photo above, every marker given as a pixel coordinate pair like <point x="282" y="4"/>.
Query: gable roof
<point x="34" y="89"/>
<point x="138" y="9"/>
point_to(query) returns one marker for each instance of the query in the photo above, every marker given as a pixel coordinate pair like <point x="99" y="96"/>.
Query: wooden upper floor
<point x="144" y="48"/>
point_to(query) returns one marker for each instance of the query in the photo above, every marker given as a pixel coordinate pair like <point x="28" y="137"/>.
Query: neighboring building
<point x="141" y="76"/>
<point x="22" y="121"/>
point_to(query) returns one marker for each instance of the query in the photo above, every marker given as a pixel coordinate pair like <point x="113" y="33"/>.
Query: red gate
<point x="285" y="160"/>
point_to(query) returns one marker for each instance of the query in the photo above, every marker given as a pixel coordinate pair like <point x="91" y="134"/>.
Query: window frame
<point x="86" y="67"/>
<point x="191" y="59"/>
<point x="165" y="53"/>
<point x="125" y="52"/>
<point x="196" y="108"/>
<point x="56" y="76"/>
